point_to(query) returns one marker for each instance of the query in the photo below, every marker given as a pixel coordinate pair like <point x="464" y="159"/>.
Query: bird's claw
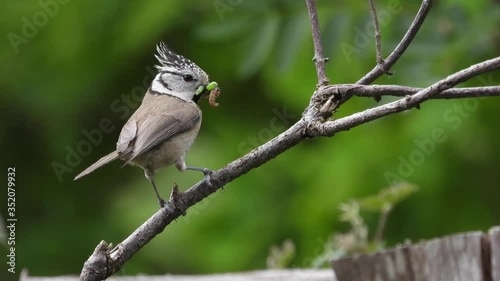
<point x="208" y="173"/>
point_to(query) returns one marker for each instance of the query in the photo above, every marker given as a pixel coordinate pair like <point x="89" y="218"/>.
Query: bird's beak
<point x="200" y="90"/>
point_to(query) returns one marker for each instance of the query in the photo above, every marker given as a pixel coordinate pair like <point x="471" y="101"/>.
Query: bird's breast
<point x="167" y="153"/>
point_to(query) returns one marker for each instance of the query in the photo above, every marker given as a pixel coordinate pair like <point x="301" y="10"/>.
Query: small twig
<point x="401" y="47"/>
<point x="319" y="59"/>
<point x="373" y="91"/>
<point x="378" y="47"/>
<point x="174" y="199"/>
<point x="382" y="220"/>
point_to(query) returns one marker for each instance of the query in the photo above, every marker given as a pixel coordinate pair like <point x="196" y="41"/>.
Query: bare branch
<point x="375" y="91"/>
<point x="380" y="70"/>
<point x="330" y="128"/>
<point x="378" y="47"/>
<point x="319" y="59"/>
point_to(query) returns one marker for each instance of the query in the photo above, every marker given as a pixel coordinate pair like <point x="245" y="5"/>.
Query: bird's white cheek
<point x="157" y="86"/>
<point x="161" y="87"/>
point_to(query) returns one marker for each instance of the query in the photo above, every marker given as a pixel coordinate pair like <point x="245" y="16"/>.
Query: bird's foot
<point x="205" y="171"/>
<point x="208" y="173"/>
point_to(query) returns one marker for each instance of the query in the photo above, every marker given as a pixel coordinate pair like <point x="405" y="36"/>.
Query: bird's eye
<point x="187" y="78"/>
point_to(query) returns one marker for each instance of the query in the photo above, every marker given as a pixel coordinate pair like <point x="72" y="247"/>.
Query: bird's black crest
<point x="170" y="61"/>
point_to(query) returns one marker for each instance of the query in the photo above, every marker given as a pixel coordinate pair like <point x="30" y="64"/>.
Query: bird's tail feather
<point x="101" y="162"/>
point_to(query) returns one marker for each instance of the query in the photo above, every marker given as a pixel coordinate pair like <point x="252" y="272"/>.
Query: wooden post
<point x="473" y="256"/>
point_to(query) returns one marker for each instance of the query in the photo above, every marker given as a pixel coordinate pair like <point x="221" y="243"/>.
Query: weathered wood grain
<point x="473" y="256"/>
<point x="264" y="275"/>
<point x="494" y="241"/>
<point x="387" y="265"/>
<point x="456" y="258"/>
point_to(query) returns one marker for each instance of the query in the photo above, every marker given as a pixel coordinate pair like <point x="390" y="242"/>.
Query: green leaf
<point x="387" y="197"/>
<point x="280" y="257"/>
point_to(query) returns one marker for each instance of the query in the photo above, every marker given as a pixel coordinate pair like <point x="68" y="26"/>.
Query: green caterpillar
<point x="212" y="85"/>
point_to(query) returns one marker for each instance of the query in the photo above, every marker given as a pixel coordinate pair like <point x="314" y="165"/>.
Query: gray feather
<point x="101" y="162"/>
<point x="159" y="128"/>
<point x="127" y="134"/>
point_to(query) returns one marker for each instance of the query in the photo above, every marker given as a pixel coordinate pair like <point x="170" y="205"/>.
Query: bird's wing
<point x="159" y="127"/>
<point x="127" y="135"/>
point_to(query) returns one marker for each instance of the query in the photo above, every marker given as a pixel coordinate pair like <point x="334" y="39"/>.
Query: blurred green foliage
<point x="356" y="240"/>
<point x="89" y="61"/>
<point x="281" y="256"/>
